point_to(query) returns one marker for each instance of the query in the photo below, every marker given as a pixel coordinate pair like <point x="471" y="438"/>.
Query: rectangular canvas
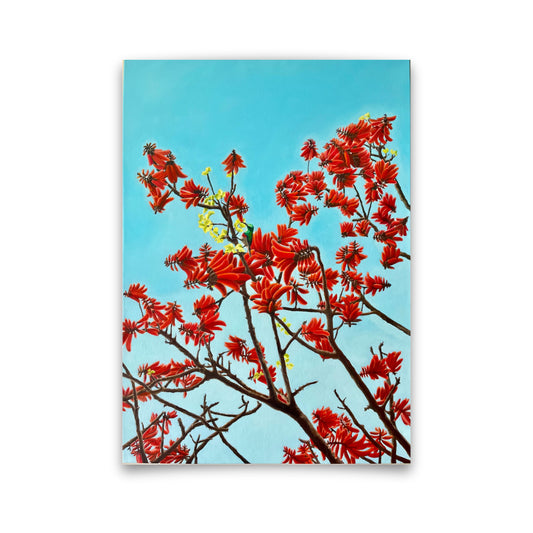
<point x="266" y="262"/>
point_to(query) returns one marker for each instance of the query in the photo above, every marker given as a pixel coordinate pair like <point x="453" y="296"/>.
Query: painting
<point x="266" y="262"/>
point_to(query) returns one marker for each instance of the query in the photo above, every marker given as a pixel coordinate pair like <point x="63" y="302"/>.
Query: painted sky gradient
<point x="265" y="110"/>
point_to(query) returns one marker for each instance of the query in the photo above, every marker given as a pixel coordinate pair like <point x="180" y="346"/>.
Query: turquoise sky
<point x="265" y="110"/>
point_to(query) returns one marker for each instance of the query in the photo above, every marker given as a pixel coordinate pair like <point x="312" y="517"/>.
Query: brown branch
<point x="325" y="353"/>
<point x="303" y="310"/>
<point x="281" y="355"/>
<point x="133" y="439"/>
<point x="384" y="317"/>
<point x="239" y="386"/>
<point x="200" y="444"/>
<point x="257" y="346"/>
<point x="300" y="389"/>
<point x="294" y="336"/>
<point x="402" y="196"/>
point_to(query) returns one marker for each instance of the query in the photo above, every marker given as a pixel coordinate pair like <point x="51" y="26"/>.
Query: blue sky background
<point x="201" y="110"/>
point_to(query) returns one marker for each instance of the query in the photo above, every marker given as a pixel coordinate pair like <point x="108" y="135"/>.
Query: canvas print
<point x="266" y="262"/>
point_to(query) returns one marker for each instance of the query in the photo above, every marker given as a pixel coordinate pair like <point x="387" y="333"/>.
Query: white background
<point x="60" y="100"/>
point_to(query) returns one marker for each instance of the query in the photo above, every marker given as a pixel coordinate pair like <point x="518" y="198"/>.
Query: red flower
<point x="382" y="216"/>
<point x="388" y="202"/>
<point x="382" y="393"/>
<point x="154" y="310"/>
<point x="355" y="133"/>
<point x="156" y="157"/>
<point x="349" y="207"/>
<point x="375" y="284"/>
<point x="389" y="237"/>
<point x="380" y="129"/>
<point x="325" y="420"/>
<point x="363" y="227"/>
<point x="205" y="305"/>
<point x="285" y="234"/>
<point x="266" y="299"/>
<point x="129" y="330"/>
<point x="303" y="213"/>
<point x="309" y="150"/>
<point x="385" y="173"/>
<point x="136" y="292"/>
<point x="402" y="409"/>
<point x="400" y="226"/>
<point x="358" y="157"/>
<point x="288" y="257"/>
<point x="376" y="369"/>
<point x="236" y="347"/>
<point x="347" y="229"/>
<point x="294" y="296"/>
<point x="159" y="203"/>
<point x="237" y="205"/>
<point x="328" y="156"/>
<point x="288" y="198"/>
<point x="390" y="256"/>
<point x="346" y="446"/>
<point x="190" y="331"/>
<point x="142" y="395"/>
<point x="394" y="362"/>
<point x="155" y="184"/>
<point x="344" y="180"/>
<point x="381" y="437"/>
<point x="261" y="253"/>
<point x="233" y="162"/>
<point x="334" y="199"/>
<point x="352" y="280"/>
<point x="350" y="256"/>
<point x="295" y="178"/>
<point x="314" y="330"/>
<point x="173" y="313"/>
<point x="192" y="194"/>
<point x="209" y="323"/>
<point x="293" y="457"/>
<point x="224" y="272"/>
<point x="316" y="187"/>
<point x="373" y="191"/>
<point x="349" y="309"/>
<point x="205" y="254"/>
<point x="173" y="171"/>
<point x="182" y="259"/>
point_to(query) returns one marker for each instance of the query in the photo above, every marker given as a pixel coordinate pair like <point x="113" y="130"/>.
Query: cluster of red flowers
<point x="165" y="173"/>
<point x="343" y="439"/>
<point x="239" y="350"/>
<point x="181" y="374"/>
<point x="154" y="446"/>
<point x="357" y="153"/>
<point x="382" y="366"/>
<point x="158" y="318"/>
<point x="209" y="269"/>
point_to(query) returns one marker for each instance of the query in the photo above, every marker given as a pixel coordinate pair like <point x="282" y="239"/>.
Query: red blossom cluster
<point x="382" y="366"/>
<point x="154" y="447"/>
<point x="209" y="269"/>
<point x="157" y="318"/>
<point x="164" y="174"/>
<point x="238" y="350"/>
<point x="357" y="154"/>
<point x="346" y="441"/>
